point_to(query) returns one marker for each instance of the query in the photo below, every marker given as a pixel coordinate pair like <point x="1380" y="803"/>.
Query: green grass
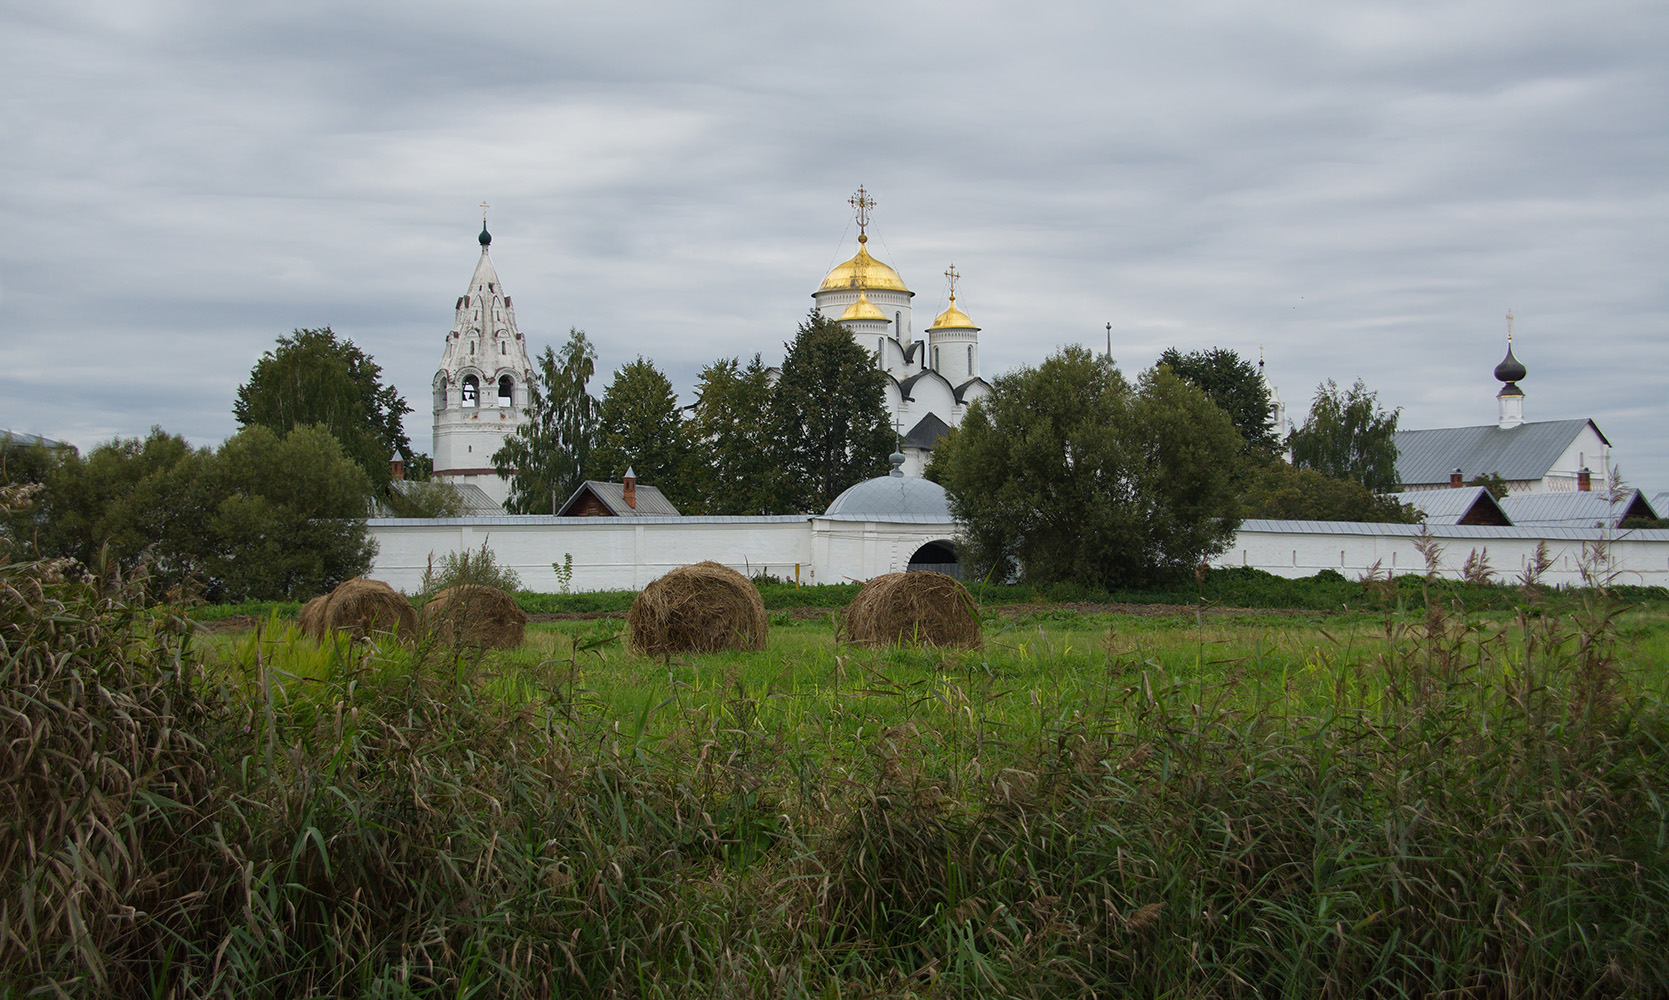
<point x="1464" y="798"/>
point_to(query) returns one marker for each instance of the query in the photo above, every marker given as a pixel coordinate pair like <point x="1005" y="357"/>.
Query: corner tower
<point x="481" y="389"/>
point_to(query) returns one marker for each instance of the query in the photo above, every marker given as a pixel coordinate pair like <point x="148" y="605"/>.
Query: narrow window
<point x="506" y="390"/>
<point x="970" y="360"/>
<point x="472" y="390"/>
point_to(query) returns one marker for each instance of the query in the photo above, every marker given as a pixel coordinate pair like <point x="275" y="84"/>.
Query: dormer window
<point x="472" y="390"/>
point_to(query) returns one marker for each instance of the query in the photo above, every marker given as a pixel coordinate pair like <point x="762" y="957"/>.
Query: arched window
<point x="970" y="360"/>
<point x="440" y="392"/>
<point x="506" y="390"/>
<point x="472" y="390"/>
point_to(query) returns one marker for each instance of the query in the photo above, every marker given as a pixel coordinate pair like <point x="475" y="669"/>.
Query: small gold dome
<point x="953" y="319"/>
<point x="863" y="309"/>
<point x="863" y="271"/>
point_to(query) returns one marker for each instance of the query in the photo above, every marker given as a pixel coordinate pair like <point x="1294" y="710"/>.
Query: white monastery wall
<point x="612" y="553"/>
<point x="1304" y="548"/>
<point x="627" y="553"/>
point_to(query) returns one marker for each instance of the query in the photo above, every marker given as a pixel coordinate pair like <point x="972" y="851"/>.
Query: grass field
<point x="1438" y="801"/>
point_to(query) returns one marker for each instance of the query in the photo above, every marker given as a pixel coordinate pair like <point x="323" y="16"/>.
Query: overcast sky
<point x="1363" y="190"/>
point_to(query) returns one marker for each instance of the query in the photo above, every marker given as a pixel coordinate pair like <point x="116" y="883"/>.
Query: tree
<point x="1493" y="482"/>
<point x="741" y="471"/>
<point x="1235" y="385"/>
<point x="288" y="516"/>
<point x="828" y="410"/>
<point x="264" y="518"/>
<point x="1347" y="436"/>
<point x="639" y="427"/>
<point x="546" y="458"/>
<point x="1067" y="472"/>
<point x="313" y="378"/>
<point x="1284" y="492"/>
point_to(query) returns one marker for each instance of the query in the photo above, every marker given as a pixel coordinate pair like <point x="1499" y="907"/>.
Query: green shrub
<point x="477" y="567"/>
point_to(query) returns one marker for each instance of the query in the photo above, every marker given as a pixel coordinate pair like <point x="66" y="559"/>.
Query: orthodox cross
<point x="483" y="213"/>
<point x="898" y="433"/>
<point x="951" y="274"/>
<point x="862" y="203"/>
<point x="1509" y="326"/>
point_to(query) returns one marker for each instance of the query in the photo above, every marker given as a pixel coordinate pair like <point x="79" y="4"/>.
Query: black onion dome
<point x="1510" y="369"/>
<point x="486" y="238"/>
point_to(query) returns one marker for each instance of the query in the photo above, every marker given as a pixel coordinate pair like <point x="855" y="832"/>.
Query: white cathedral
<point x="481" y="389"/>
<point x="929" y="383"/>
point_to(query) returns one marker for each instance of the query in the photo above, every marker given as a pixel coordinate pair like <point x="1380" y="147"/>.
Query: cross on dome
<point x="861" y="204"/>
<point x="951" y="274"/>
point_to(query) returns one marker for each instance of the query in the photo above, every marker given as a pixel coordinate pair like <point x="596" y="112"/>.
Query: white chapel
<point x="929" y="382"/>
<point x="481" y="389"/>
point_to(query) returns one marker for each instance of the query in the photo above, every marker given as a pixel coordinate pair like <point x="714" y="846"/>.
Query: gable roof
<point x="651" y="502"/>
<point x="1583" y="509"/>
<point x="962" y="389"/>
<point x="927" y="432"/>
<point x="1467" y="505"/>
<point x="1527" y="451"/>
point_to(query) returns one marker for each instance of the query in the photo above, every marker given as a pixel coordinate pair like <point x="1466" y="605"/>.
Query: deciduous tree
<point x="267" y="517"/>
<point x="1281" y="491"/>
<point x="1067" y="472"/>
<point x="1347" y="436"/>
<point x="311" y="377"/>
<point x="546" y="458"/>
<point x="1236" y="386"/>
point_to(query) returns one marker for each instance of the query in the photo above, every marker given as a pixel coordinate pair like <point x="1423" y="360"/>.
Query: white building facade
<point x="481" y="389"/>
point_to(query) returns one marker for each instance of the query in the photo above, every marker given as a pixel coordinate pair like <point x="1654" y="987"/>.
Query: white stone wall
<point x="627" y="553"/>
<point x="612" y="553"/>
<point x="1282" y="548"/>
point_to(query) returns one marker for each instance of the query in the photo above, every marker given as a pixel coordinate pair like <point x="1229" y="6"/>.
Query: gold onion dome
<point x="953" y="319"/>
<point x="863" y="271"/>
<point x="863" y="309"/>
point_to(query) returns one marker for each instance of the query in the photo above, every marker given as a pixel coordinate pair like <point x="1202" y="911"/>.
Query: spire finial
<point x="951" y="274"/>
<point x="862" y="203"/>
<point x="1509" y="326"/>
<point x="486" y="238"/>
<point x="1260" y="359"/>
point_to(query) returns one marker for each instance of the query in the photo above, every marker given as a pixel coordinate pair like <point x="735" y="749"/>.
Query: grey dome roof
<point x="893" y="496"/>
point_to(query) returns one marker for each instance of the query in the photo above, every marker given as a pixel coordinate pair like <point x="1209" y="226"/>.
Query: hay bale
<point x="312" y="617"/>
<point x="697" y="609"/>
<point x="366" y="607"/>
<point x="474" y="615"/>
<point x="929" y="609"/>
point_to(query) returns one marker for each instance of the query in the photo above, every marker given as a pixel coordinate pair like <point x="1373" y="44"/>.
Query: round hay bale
<point x="312" y="617"/>
<point x="474" y="615"/>
<point x="923" y="608"/>
<point x="697" y="609"/>
<point x="364" y="607"/>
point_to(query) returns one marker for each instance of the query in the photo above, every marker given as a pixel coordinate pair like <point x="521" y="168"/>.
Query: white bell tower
<point x="481" y="389"/>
